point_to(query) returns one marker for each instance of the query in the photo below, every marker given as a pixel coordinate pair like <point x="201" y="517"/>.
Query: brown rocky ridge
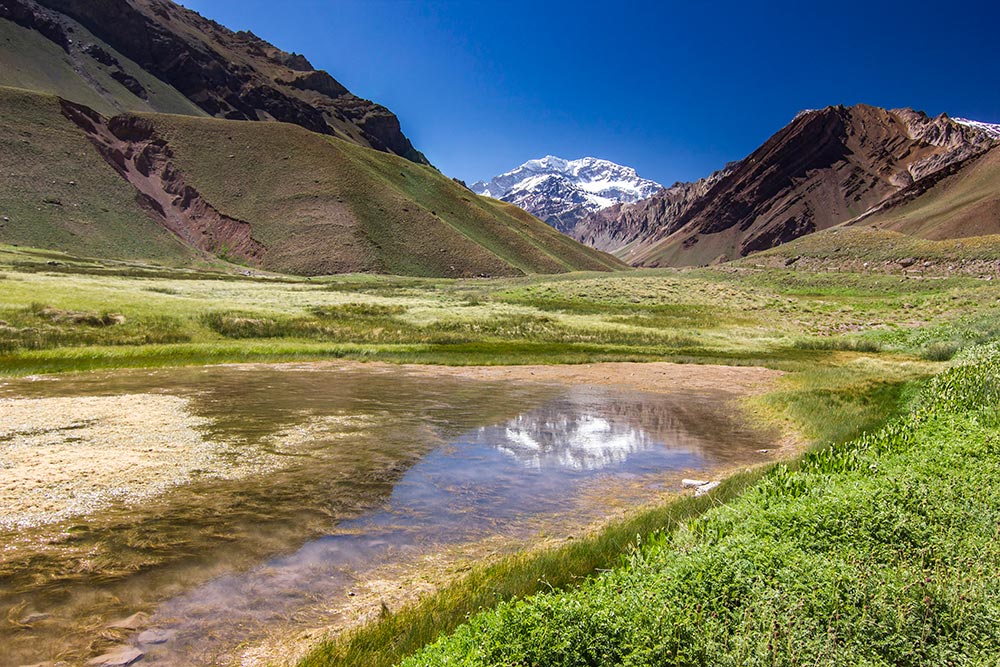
<point x="826" y="167"/>
<point x="130" y="145"/>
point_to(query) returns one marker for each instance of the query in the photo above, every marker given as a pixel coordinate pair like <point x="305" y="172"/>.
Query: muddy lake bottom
<point x="188" y="514"/>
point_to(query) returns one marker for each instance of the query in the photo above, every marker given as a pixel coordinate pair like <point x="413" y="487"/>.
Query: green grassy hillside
<point x="323" y="205"/>
<point x="868" y="249"/>
<point x="30" y="61"/>
<point x="57" y="192"/>
<point x="319" y="205"/>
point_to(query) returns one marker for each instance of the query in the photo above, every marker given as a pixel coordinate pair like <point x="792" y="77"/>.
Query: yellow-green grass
<point x="781" y="318"/>
<point x="849" y="248"/>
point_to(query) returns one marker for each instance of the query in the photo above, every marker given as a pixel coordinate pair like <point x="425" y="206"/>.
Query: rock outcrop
<point x="612" y="229"/>
<point x="130" y="145"/>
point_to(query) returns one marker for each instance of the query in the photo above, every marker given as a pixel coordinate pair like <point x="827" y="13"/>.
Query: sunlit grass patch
<point x="40" y="326"/>
<point x="839" y="343"/>
<point x="775" y="317"/>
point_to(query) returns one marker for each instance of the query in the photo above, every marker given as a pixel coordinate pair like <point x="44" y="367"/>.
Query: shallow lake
<point x="188" y="512"/>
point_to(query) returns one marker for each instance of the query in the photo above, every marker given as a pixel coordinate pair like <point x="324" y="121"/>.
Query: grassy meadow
<point x="62" y="313"/>
<point x="864" y="548"/>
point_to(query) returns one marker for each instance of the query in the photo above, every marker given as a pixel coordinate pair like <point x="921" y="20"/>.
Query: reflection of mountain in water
<point x="589" y="429"/>
<point x="581" y="441"/>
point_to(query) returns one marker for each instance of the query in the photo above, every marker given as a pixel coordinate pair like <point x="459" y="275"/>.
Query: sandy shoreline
<point x="653" y="376"/>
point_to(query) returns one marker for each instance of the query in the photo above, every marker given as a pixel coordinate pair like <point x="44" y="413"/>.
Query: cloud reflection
<point x="564" y="439"/>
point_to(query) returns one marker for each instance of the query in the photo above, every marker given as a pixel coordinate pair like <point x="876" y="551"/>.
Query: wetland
<point x="189" y="513"/>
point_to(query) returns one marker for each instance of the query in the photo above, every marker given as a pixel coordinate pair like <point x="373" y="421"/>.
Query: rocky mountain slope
<point x="154" y="55"/>
<point x="959" y="201"/>
<point x="615" y="228"/>
<point x="561" y="192"/>
<point x="184" y="190"/>
<point x="329" y="184"/>
<point x="826" y="167"/>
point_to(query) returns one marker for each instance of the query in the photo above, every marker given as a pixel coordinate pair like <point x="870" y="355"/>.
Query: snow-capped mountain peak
<point x="992" y="129"/>
<point x="561" y="191"/>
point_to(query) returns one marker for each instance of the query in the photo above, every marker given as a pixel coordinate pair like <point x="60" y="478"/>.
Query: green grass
<point x="40" y="327"/>
<point x="778" y="318"/>
<point x="863" y="248"/>
<point x="879" y="551"/>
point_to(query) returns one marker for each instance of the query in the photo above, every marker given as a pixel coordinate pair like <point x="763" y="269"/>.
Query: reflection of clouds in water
<point x="576" y="441"/>
<point x="484" y="481"/>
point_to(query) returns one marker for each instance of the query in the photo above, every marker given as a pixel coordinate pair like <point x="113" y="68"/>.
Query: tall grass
<point x="42" y="327"/>
<point x="776" y="318"/>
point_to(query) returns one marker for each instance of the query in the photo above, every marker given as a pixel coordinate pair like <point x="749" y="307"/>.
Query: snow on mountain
<point x="561" y="192"/>
<point x="991" y="129"/>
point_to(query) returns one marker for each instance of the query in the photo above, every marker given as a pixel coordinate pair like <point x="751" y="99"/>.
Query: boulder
<point x="119" y="657"/>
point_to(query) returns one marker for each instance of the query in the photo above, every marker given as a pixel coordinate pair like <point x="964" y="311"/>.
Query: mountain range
<point x="561" y="192"/>
<point x="831" y="166"/>
<point x="138" y="129"/>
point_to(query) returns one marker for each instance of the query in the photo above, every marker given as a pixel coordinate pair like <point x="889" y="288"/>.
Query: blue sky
<point x="675" y="90"/>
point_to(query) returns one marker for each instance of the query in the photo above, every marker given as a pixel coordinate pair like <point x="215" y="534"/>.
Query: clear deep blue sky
<point x="675" y="90"/>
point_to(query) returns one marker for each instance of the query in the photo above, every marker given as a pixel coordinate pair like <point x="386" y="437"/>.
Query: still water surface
<point x="318" y="474"/>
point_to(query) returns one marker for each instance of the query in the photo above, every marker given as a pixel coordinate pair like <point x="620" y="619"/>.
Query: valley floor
<point x="772" y="575"/>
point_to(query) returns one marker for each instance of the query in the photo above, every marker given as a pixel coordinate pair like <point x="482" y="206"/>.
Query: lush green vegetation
<point x="879" y="551"/>
<point x="786" y="319"/>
